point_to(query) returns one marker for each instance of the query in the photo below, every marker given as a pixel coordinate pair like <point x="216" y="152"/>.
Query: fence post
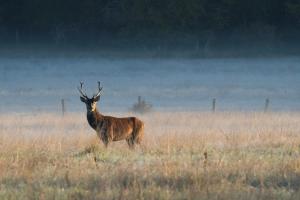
<point x="267" y="105"/>
<point x="63" y="108"/>
<point x="214" y="105"/>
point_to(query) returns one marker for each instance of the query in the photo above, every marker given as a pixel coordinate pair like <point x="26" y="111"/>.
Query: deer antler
<point x="80" y="90"/>
<point x="99" y="90"/>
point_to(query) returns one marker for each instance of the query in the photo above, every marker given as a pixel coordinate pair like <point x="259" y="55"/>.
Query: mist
<point x="238" y="84"/>
<point x="176" y="55"/>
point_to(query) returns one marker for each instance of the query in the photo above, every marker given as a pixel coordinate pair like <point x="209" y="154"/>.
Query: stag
<point x="110" y="128"/>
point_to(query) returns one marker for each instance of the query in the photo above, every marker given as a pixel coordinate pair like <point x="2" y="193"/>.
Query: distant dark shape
<point x="141" y="106"/>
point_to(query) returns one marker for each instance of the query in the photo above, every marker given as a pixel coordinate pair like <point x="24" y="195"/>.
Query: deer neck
<point x="94" y="118"/>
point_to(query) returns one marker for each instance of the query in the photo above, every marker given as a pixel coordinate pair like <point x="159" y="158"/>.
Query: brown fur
<point x="110" y="128"/>
<point x="115" y="129"/>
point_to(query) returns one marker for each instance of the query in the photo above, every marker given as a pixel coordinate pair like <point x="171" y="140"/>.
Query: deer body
<point x="110" y="128"/>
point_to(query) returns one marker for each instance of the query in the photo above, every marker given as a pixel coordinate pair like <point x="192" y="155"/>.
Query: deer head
<point x="91" y="103"/>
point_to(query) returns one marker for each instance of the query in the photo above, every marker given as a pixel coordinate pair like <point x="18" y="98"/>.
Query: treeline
<point x="198" y="24"/>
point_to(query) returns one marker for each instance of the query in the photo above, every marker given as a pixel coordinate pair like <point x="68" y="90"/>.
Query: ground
<point x="184" y="155"/>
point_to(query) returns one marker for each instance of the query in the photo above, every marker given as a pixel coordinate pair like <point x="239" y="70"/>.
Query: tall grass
<point x="184" y="155"/>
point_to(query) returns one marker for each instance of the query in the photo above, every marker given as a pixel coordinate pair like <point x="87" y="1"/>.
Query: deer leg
<point x="106" y="139"/>
<point x="105" y="142"/>
<point x="104" y="136"/>
<point x="130" y="142"/>
<point x="107" y="136"/>
<point x="138" y="139"/>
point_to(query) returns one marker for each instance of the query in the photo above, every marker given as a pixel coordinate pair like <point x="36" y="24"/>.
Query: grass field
<point x="184" y="156"/>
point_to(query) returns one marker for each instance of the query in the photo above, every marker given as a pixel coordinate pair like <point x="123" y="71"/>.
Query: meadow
<point x="184" y="155"/>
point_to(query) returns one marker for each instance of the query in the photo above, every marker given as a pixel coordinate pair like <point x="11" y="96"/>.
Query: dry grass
<point x="249" y="156"/>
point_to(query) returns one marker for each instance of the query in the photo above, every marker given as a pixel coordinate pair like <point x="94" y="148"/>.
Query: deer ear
<point x="97" y="98"/>
<point x="82" y="99"/>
